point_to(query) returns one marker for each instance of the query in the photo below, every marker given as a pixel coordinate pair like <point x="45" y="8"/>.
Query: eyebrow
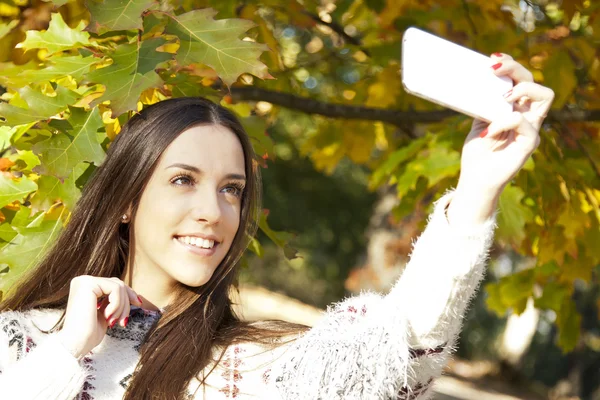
<point x="198" y="171"/>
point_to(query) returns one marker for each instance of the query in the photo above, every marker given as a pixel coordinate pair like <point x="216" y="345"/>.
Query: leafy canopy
<point x="79" y="71"/>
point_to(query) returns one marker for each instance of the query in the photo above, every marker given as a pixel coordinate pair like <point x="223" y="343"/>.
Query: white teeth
<point x="198" y="242"/>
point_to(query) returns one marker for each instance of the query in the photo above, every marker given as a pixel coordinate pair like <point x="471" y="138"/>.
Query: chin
<point x="194" y="280"/>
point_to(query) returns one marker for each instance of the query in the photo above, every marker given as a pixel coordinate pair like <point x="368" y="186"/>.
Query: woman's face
<point x="190" y="210"/>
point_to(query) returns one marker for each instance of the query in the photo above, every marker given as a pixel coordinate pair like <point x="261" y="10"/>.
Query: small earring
<point x="125" y="218"/>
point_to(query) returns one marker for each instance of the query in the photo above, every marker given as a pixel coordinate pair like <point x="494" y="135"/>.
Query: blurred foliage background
<point x="351" y="162"/>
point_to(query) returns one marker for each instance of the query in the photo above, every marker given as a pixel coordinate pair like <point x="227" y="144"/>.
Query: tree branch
<point x="393" y="117"/>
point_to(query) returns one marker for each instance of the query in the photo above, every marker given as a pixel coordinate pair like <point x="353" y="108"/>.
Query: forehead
<point x="208" y="147"/>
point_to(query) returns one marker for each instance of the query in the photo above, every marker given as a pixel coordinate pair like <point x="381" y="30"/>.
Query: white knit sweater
<point x="366" y="347"/>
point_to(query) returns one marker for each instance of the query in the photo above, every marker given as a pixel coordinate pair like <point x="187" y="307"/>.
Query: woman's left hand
<point x="494" y="153"/>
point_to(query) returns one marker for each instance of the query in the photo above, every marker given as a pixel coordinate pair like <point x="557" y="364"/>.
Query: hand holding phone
<point x="453" y="76"/>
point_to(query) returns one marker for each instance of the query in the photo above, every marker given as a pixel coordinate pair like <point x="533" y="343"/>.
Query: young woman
<point x="133" y="300"/>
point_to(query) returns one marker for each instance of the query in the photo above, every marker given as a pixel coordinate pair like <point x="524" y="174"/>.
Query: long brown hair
<point x="94" y="242"/>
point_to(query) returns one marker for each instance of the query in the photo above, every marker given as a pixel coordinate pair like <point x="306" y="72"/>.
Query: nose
<point x="207" y="207"/>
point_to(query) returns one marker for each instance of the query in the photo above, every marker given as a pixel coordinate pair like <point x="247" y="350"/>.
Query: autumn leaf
<point x="39" y="106"/>
<point x="215" y="43"/>
<point x="14" y="189"/>
<point x="26" y="249"/>
<point x="58" y="37"/>
<point x="59" y="67"/>
<point x="5" y="28"/>
<point x="559" y="75"/>
<point x="513" y="215"/>
<point x="117" y="15"/>
<point x="61" y="153"/>
<point x="132" y="72"/>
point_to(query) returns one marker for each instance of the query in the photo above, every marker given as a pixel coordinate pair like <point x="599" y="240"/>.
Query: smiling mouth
<point x="197" y="242"/>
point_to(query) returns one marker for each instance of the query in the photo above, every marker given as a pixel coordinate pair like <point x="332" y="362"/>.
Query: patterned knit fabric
<point x="366" y="347"/>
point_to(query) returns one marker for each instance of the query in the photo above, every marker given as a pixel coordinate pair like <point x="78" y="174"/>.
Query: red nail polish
<point x="126" y="321"/>
<point x="483" y="133"/>
<point x="109" y="317"/>
<point x="497" y="54"/>
<point x="113" y="323"/>
<point x="507" y="94"/>
<point x="99" y="304"/>
<point x="140" y="299"/>
<point x="496" y="66"/>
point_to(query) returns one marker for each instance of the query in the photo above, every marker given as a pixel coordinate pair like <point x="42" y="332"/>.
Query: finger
<point x="535" y="92"/>
<point x="115" y="302"/>
<point x="124" y="317"/>
<point x="477" y="127"/>
<point x="498" y="57"/>
<point x="517" y="122"/>
<point x="513" y="70"/>
<point x="134" y="298"/>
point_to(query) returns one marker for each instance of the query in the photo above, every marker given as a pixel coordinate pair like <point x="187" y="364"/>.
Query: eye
<point x="183" y="180"/>
<point x="234" y="188"/>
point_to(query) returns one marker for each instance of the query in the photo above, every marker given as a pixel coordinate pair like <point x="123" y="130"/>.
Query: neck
<point x="155" y="293"/>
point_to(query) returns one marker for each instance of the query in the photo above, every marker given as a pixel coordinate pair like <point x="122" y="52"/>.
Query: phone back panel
<point x="453" y="76"/>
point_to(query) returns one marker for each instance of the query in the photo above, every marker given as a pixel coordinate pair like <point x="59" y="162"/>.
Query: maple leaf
<point x="40" y="106"/>
<point x="215" y="43"/>
<point x="132" y="72"/>
<point x="14" y="189"/>
<point x="116" y="15"/>
<point x="58" y="37"/>
<point x="59" y="67"/>
<point x="26" y="249"/>
<point x="61" y="153"/>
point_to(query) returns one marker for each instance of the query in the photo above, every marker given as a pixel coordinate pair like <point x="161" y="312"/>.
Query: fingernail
<point x="113" y="323"/>
<point x="497" y="54"/>
<point x="140" y="299"/>
<point x="99" y="304"/>
<point x="125" y="321"/>
<point x="496" y="66"/>
<point x="483" y="133"/>
<point x="109" y="317"/>
<point x="507" y="94"/>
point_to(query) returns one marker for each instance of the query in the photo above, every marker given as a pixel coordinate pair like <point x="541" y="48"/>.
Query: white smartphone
<point x="453" y="76"/>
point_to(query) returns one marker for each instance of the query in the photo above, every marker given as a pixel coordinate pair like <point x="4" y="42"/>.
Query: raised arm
<point x="373" y="347"/>
<point x="31" y="369"/>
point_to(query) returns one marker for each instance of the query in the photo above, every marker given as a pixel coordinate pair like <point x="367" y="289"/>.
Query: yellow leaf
<point x="386" y="89"/>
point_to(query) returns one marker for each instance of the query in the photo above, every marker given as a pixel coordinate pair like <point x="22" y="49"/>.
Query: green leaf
<point x="254" y="247"/>
<point x="553" y="296"/>
<point x="14" y="189"/>
<point x="27" y="157"/>
<point x="281" y="239"/>
<point x="559" y="75"/>
<point x="257" y="131"/>
<point x="513" y="215"/>
<point x="63" y="152"/>
<point x="58" y="37"/>
<point x="7" y="233"/>
<point x="117" y="15"/>
<point x="40" y="106"/>
<point x="59" y="67"/>
<point x="394" y="161"/>
<point x="568" y="321"/>
<point x="26" y="249"/>
<point x="132" y="72"/>
<point x="215" y="43"/>
<point x="6" y="28"/>
<point x="50" y="190"/>
<point x="438" y="163"/>
<point x="6" y="133"/>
